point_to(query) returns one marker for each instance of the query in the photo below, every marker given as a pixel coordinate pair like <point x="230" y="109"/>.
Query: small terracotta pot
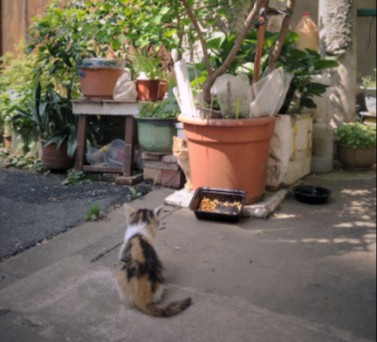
<point x="151" y="90"/>
<point x="56" y="158"/>
<point x="229" y="154"/>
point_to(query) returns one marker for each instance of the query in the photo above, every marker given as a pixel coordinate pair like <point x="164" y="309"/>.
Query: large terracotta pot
<point x="56" y="158"/>
<point x="357" y="159"/>
<point x="98" y="77"/>
<point x="229" y="154"/>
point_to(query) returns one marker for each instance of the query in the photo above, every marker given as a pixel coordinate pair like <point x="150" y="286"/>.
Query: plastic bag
<point x="115" y="154"/>
<point x="233" y="94"/>
<point x="95" y="155"/>
<point x="268" y="93"/>
<point x="125" y="89"/>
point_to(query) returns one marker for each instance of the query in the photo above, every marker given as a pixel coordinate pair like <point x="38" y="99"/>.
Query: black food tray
<point x="223" y="213"/>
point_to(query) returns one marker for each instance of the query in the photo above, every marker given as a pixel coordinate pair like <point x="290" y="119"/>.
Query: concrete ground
<point x="308" y="273"/>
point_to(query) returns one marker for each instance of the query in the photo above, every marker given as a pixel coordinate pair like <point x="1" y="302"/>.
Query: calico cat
<point x="140" y="278"/>
<point x="180" y="151"/>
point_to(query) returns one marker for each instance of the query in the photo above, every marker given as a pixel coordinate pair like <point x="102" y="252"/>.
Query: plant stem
<point x="275" y="53"/>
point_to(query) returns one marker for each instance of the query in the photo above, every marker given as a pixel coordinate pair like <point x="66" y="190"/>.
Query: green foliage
<point x="134" y="193"/>
<point x="16" y="84"/>
<point x="94" y="213"/>
<point x="356" y="134"/>
<point x="75" y="177"/>
<point x="26" y="161"/>
<point x="49" y="117"/>
<point x="303" y="65"/>
<point x="151" y="66"/>
<point x="166" y="109"/>
<point x="369" y="81"/>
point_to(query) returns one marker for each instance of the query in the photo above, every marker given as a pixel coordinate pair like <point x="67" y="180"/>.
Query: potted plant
<point x="50" y="117"/>
<point x="70" y="34"/>
<point x="229" y="152"/>
<point x="156" y="125"/>
<point x="356" y="144"/>
<point x="150" y="77"/>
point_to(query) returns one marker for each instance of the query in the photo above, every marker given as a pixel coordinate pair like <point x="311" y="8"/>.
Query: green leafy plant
<point x="134" y="193"/>
<point x="26" y="161"/>
<point x="51" y="118"/>
<point x="166" y="109"/>
<point x="16" y="85"/>
<point x="356" y="134"/>
<point x="303" y="65"/>
<point x="94" y="213"/>
<point x="75" y="177"/>
<point x="149" y="65"/>
<point x="369" y="81"/>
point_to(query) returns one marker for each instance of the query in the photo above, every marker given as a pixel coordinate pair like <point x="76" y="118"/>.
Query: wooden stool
<point x="127" y="109"/>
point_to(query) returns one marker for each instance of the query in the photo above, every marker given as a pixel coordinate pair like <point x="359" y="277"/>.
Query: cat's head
<point x="147" y="218"/>
<point x="179" y="145"/>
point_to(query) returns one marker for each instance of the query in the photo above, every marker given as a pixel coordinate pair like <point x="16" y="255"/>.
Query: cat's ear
<point x="158" y="211"/>
<point x="128" y="210"/>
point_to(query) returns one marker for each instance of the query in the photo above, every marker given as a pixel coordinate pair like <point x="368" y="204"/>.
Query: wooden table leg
<point x="129" y="145"/>
<point x="81" y="142"/>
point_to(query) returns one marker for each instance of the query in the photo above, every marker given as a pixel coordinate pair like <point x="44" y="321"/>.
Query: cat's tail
<point x="172" y="309"/>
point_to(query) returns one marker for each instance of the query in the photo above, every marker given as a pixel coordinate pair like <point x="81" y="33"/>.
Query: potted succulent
<point x="356" y="144"/>
<point x="156" y="125"/>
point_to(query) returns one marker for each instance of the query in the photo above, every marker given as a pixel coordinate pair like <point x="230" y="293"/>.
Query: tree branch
<point x="200" y="36"/>
<point x="275" y="53"/>
<point x="232" y="54"/>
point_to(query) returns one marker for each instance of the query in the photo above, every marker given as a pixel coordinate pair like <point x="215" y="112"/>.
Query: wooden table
<point x="127" y="109"/>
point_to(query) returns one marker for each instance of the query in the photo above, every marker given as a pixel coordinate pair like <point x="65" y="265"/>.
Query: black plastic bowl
<point x="222" y="195"/>
<point x="311" y="194"/>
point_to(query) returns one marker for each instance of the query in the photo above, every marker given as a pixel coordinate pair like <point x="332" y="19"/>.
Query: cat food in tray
<point x="218" y="204"/>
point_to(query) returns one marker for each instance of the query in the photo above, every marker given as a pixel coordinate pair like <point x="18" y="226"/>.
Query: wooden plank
<point x="81" y="142"/>
<point x="105" y="107"/>
<point x="129" y="145"/>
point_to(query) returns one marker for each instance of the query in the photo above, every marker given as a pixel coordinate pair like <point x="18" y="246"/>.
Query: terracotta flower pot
<point x="98" y="77"/>
<point x="356" y="159"/>
<point x="151" y="90"/>
<point x="56" y="158"/>
<point x="229" y="154"/>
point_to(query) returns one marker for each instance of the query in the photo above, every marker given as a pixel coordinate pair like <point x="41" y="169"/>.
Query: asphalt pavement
<point x="35" y="206"/>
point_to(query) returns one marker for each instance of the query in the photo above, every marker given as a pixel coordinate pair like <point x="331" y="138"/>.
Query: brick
<point x="169" y="158"/>
<point x="150" y="156"/>
<point x="172" y="179"/>
<point x="152" y="174"/>
<point x="123" y="180"/>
